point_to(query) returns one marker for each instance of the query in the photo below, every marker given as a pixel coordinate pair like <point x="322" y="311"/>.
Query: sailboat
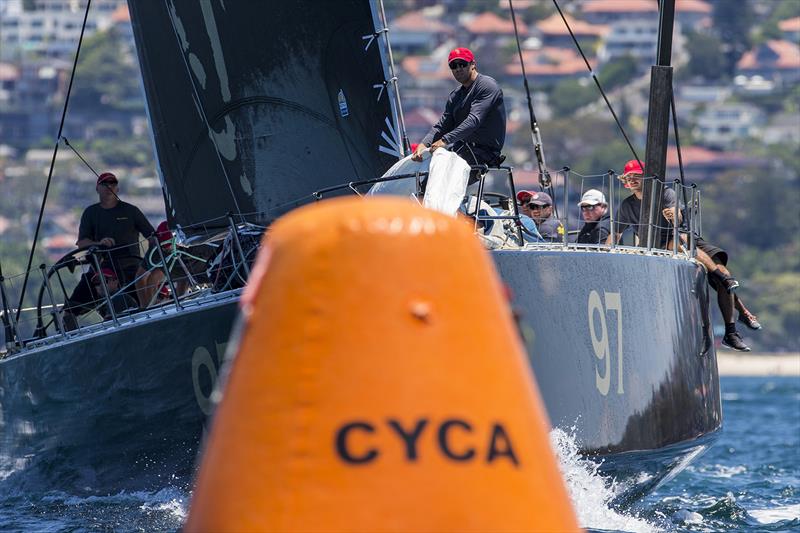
<point x="258" y="108"/>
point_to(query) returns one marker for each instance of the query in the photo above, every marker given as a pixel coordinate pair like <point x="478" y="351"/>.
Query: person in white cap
<point x="594" y="211"/>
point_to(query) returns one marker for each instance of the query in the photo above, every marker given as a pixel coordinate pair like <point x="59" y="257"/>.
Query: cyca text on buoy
<point x="455" y="439"/>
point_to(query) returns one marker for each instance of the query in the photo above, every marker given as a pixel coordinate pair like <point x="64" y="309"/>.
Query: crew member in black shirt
<point x="594" y="211"/>
<point x="114" y="224"/>
<point x="474" y="118"/>
<point x="711" y="257"/>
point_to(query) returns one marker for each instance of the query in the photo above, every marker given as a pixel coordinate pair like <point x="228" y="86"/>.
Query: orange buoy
<point x="379" y="385"/>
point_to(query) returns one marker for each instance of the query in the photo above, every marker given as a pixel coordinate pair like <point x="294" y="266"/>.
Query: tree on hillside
<point x="538" y="11"/>
<point x="705" y="51"/>
<point x="784" y="9"/>
<point x="105" y="80"/>
<point x="570" y="95"/>
<point x="618" y="72"/>
<point x="733" y="27"/>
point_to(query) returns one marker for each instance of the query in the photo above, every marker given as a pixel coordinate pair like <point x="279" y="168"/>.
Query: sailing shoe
<point x="730" y="283"/>
<point x="750" y="320"/>
<point x="735" y="342"/>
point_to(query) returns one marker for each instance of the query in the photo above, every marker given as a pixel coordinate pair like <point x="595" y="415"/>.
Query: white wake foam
<point x="590" y="492"/>
<point x="770" y="516"/>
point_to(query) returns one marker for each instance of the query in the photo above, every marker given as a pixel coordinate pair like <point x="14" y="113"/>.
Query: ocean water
<point x="748" y="481"/>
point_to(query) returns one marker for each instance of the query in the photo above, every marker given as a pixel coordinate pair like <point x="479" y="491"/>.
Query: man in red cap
<point x="474" y="118"/>
<point x="711" y="257"/>
<point x="114" y="226"/>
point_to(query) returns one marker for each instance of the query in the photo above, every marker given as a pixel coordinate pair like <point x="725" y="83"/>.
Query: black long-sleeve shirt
<point x="474" y="115"/>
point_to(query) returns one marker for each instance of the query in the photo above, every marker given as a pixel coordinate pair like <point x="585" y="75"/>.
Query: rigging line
<point x="678" y="145"/>
<point x="66" y="141"/>
<point x="203" y="115"/>
<point x="53" y="160"/>
<point x="536" y="138"/>
<point x="398" y="108"/>
<point x="597" y="82"/>
<point x="106" y="185"/>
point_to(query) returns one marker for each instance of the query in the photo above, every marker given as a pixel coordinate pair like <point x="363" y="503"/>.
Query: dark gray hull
<point x="124" y="409"/>
<point x="657" y="403"/>
<point x="121" y="409"/>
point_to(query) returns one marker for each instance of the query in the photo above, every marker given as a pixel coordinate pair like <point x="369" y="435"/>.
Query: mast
<point x="655" y="163"/>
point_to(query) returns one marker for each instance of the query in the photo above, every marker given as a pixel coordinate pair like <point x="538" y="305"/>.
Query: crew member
<point x="474" y="118"/>
<point x="113" y="224"/>
<point x="711" y="257"/>
<point x="539" y="206"/>
<point x="594" y="211"/>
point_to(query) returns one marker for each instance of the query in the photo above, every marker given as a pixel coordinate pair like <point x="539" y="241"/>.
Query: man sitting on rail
<point x="711" y="257"/>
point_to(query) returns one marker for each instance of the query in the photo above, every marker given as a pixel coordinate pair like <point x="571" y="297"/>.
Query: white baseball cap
<point x="592" y="197"/>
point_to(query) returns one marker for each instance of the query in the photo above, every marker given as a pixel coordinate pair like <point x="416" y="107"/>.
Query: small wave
<point x="730" y="396"/>
<point x="777" y="514"/>
<point x="722" y="471"/>
<point x="590" y="492"/>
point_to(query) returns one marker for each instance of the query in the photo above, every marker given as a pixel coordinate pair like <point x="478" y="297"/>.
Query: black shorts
<point x="717" y="254"/>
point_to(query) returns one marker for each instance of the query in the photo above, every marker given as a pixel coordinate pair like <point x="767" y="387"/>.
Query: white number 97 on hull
<point x="600" y="341"/>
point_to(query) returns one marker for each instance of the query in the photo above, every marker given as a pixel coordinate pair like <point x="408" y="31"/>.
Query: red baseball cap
<point x="107" y="177"/>
<point x="465" y="54"/>
<point x="633" y="167"/>
<point x="163" y="232"/>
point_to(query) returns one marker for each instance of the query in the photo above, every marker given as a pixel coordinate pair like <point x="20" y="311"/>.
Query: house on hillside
<point x="722" y="125"/>
<point x="701" y="164"/>
<point x="419" y="32"/>
<point x="546" y="66"/>
<point x="784" y="128"/>
<point x="637" y="38"/>
<point x="425" y="80"/>
<point x="52" y="28"/>
<point x="556" y="34"/>
<point x="774" y="61"/>
<point x="488" y="24"/>
<point x="27" y="93"/>
<point x="689" y="14"/>
<point x="790" y="28"/>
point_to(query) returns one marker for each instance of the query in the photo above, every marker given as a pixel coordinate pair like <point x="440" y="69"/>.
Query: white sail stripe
<point x="392" y="129"/>
<point x="391" y="142"/>
<point x="385" y="150"/>
<point x="369" y="39"/>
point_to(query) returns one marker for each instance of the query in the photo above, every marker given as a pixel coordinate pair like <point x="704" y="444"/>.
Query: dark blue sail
<point x="256" y="105"/>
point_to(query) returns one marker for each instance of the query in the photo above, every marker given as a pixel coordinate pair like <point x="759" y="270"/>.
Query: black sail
<point x="255" y="105"/>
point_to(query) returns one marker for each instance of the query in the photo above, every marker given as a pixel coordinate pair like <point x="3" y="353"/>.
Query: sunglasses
<point x="588" y="207"/>
<point x="458" y="64"/>
<point x="533" y="206"/>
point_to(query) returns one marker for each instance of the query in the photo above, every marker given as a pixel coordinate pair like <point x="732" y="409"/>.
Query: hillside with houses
<point x="737" y="67"/>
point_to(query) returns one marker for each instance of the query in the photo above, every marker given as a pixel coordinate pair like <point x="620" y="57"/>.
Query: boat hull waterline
<point x="126" y="408"/>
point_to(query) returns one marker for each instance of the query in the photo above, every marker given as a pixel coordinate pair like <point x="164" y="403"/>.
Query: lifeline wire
<point x="53" y="160"/>
<point x="544" y="176"/>
<point x="597" y="82"/>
